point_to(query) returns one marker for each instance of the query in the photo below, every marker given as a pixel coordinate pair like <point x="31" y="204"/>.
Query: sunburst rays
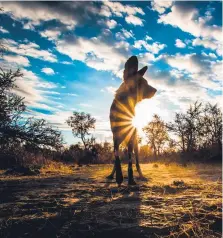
<point x="123" y="119"/>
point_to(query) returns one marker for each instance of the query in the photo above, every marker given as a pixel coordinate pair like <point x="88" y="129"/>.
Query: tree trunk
<point x="82" y="138"/>
<point x="183" y="142"/>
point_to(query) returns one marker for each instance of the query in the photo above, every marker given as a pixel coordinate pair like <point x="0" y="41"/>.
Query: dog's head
<point x="139" y="87"/>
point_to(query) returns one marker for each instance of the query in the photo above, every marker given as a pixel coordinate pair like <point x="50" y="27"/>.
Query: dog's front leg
<point x="118" y="168"/>
<point x="131" y="180"/>
<point x="111" y="176"/>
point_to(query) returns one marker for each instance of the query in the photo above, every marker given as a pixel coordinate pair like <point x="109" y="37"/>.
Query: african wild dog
<point x="134" y="89"/>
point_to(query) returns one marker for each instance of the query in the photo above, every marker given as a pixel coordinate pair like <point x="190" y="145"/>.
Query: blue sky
<point x="72" y="55"/>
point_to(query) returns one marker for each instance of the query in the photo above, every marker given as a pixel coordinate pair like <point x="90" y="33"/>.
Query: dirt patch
<point x="85" y="204"/>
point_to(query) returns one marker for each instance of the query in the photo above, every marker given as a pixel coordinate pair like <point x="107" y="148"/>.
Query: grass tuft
<point x="56" y="168"/>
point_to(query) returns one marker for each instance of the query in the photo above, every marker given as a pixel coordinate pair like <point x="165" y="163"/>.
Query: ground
<point x="174" y="201"/>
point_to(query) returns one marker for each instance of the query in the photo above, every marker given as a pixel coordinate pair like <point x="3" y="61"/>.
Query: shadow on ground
<point x="82" y="206"/>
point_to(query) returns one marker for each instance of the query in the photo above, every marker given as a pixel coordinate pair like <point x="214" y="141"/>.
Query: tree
<point x="187" y="126"/>
<point x="156" y="134"/>
<point x="14" y="128"/>
<point x="212" y="126"/>
<point x="193" y="126"/>
<point x="145" y="152"/>
<point x="81" y="123"/>
<point x="178" y="127"/>
<point x="11" y="106"/>
<point x="200" y="127"/>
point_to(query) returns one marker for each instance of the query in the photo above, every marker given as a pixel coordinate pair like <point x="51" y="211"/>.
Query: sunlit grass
<point x="183" y="200"/>
<point x="2" y="172"/>
<point x="56" y="168"/>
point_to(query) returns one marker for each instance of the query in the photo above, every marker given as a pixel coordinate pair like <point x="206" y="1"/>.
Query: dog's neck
<point x="128" y="96"/>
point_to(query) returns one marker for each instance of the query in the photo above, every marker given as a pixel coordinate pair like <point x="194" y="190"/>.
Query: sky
<point x="72" y="55"/>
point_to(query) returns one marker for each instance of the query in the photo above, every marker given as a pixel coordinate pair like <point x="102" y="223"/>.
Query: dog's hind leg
<point x="136" y="151"/>
<point x="131" y="180"/>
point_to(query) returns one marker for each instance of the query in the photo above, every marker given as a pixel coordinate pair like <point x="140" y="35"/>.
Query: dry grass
<point x="52" y="167"/>
<point x="64" y="201"/>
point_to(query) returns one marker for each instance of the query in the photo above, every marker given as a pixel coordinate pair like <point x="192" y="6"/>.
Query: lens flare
<point x="143" y="113"/>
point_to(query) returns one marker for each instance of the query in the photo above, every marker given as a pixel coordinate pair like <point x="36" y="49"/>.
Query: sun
<point x="136" y="122"/>
<point x="143" y="114"/>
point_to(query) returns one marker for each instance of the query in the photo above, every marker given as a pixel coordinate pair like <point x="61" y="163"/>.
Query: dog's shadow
<point x="140" y="180"/>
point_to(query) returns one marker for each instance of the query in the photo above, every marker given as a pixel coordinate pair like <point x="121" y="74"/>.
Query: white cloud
<point x="3" y="30"/>
<point x="122" y="44"/>
<point x="195" y="68"/>
<point x="85" y="105"/>
<point x="48" y="71"/>
<point x="211" y="44"/>
<point x="16" y="59"/>
<point x="105" y="11"/>
<point x="104" y="56"/>
<point x="128" y="34"/>
<point x="28" y="26"/>
<point x="177" y="94"/>
<point x="72" y="94"/>
<point x="124" y="34"/>
<point x="111" y="89"/>
<point x="36" y="14"/>
<point x="56" y="119"/>
<point x="208" y="16"/>
<point x="119" y="9"/>
<point x="43" y="84"/>
<point x="111" y="24"/>
<point x="66" y="62"/>
<point x="176" y="73"/>
<point x="154" y="47"/>
<point x="184" y="62"/>
<point x="206" y="81"/>
<point x="29" y="49"/>
<point x="49" y="92"/>
<point x="131" y="19"/>
<point x="51" y="34"/>
<point x="179" y="43"/>
<point x="69" y="14"/>
<point x="217" y="70"/>
<point x="30" y="86"/>
<point x="186" y="21"/>
<point x="206" y="43"/>
<point x="148" y="38"/>
<point x="147" y="57"/>
<point x="27" y="87"/>
<point x="161" y="6"/>
<point x="212" y="55"/>
<point x="119" y="73"/>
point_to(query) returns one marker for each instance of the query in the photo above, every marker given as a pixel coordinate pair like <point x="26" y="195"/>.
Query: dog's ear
<point x="131" y="83"/>
<point x="142" y="71"/>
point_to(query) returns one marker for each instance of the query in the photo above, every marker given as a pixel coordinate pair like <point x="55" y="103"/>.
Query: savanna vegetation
<point x="62" y="198"/>
<point x="195" y="135"/>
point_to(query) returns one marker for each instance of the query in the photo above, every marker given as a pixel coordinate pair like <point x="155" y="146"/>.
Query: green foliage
<point x="17" y="132"/>
<point x="156" y="134"/>
<point x="14" y="128"/>
<point x="200" y="127"/>
<point x="81" y="123"/>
